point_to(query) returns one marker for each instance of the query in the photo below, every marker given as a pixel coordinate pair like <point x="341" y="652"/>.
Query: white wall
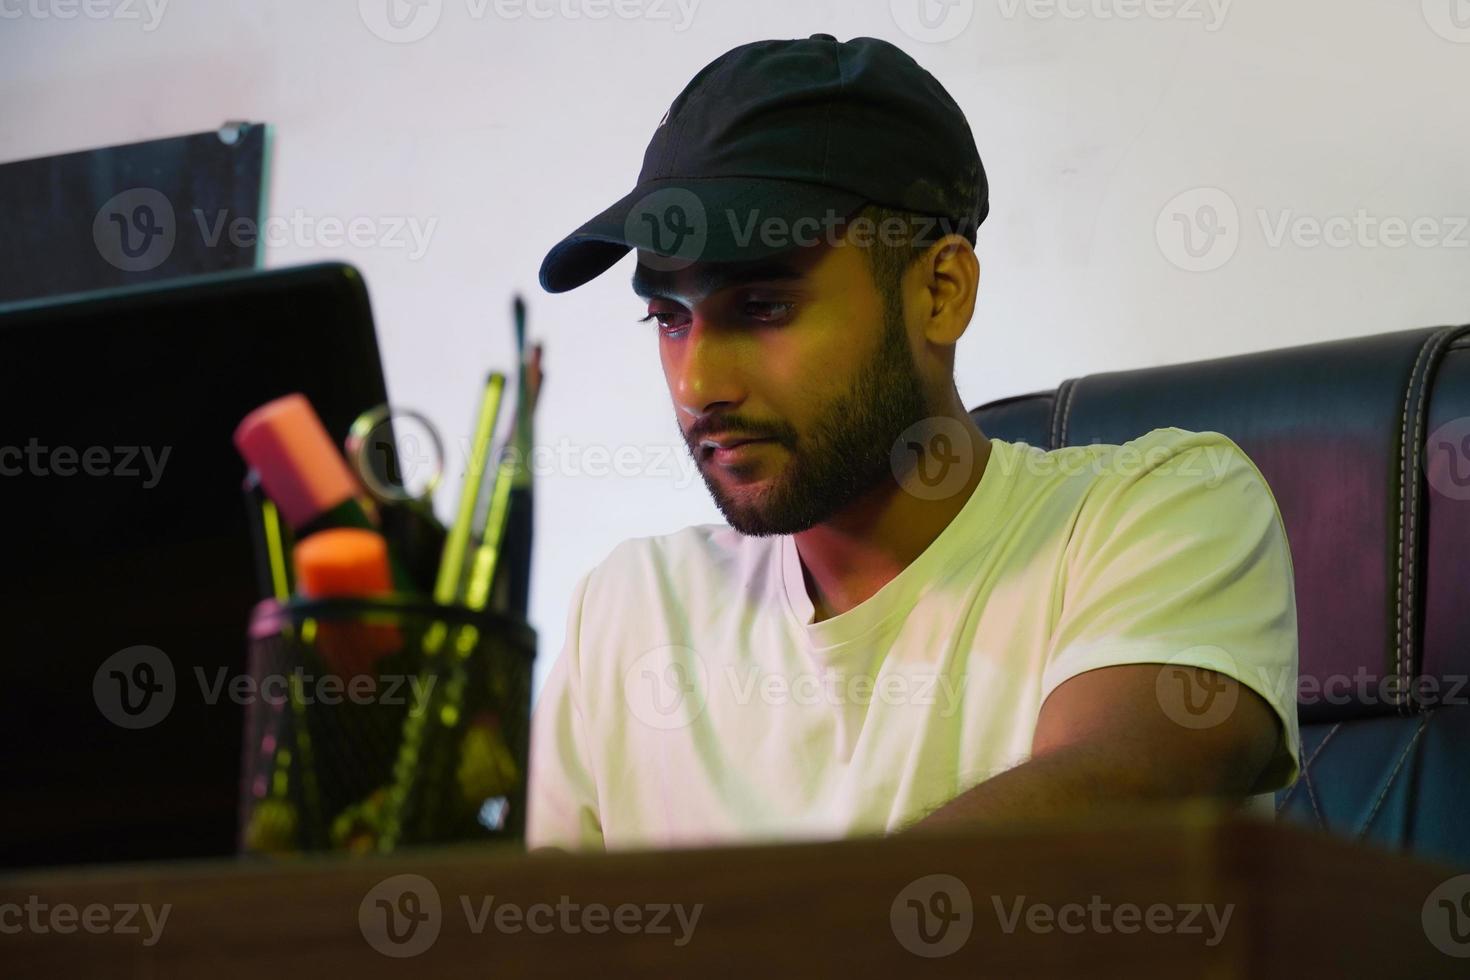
<point x="508" y="131"/>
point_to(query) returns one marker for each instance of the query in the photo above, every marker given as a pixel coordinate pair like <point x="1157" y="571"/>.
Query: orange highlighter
<point x="347" y="563"/>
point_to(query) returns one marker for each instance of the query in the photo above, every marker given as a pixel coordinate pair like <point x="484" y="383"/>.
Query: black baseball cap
<point x="774" y="139"/>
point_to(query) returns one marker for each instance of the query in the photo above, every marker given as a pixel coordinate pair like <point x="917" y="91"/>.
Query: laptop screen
<point x="126" y="526"/>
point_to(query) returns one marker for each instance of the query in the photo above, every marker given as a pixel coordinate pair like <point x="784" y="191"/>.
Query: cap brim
<point x="706" y="219"/>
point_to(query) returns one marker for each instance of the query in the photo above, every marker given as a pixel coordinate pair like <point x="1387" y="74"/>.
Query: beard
<point x="845" y="456"/>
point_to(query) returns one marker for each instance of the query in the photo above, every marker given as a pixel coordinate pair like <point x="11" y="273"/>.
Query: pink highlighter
<point x="300" y="468"/>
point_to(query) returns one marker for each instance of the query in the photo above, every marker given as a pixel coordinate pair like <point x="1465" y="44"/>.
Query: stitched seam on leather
<point x="1067" y="415"/>
<point x="1413" y="512"/>
<point x="1056" y="414"/>
<point x="1051" y="415"/>
<point x="1423" y="721"/>
<point x="1420" y="411"/>
<point x="1054" y="423"/>
<point x="1312" y="798"/>
<point x="1325" y="739"/>
<point x="1398" y="622"/>
<point x="1306" y="769"/>
<point x="1291" y="790"/>
<point x="1411" y="492"/>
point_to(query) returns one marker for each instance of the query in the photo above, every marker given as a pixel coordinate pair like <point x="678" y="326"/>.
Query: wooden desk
<point x="1299" y="906"/>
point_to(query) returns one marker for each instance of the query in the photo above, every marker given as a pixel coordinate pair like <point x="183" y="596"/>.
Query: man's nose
<point x="709" y="370"/>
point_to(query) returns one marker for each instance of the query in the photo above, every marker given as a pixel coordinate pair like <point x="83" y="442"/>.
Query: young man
<point x="905" y="624"/>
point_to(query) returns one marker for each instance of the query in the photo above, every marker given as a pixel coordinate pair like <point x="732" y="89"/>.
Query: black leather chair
<point x="1375" y="497"/>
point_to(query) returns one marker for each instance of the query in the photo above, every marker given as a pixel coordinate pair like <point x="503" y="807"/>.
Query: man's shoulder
<point x="1167" y="481"/>
<point x="1144" y="452"/>
<point x="1200" y="459"/>
<point x="1089" y="472"/>
<point x="1096" y="470"/>
<point x="1167" y="474"/>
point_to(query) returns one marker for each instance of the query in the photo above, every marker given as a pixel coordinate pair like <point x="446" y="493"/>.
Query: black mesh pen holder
<point x="377" y="724"/>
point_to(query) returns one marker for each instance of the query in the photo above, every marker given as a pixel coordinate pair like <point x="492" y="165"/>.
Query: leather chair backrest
<point x="1365" y="444"/>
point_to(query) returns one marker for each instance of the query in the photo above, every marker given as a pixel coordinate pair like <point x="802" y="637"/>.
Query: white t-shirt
<point x="695" y="703"/>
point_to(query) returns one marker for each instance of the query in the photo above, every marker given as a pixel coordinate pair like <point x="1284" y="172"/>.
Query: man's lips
<point x="732" y="450"/>
<point x="730" y="442"/>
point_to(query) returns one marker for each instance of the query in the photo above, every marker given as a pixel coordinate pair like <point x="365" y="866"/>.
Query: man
<point x="906" y="624"/>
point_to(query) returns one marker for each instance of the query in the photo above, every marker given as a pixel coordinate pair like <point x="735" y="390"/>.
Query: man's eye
<point x="768" y="311"/>
<point x="663" y="323"/>
<point x="671" y="323"/>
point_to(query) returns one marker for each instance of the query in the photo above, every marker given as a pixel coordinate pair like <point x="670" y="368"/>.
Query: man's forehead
<point x="703" y="278"/>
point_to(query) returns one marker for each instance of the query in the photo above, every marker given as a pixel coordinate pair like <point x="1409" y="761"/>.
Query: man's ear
<point x="951" y="272"/>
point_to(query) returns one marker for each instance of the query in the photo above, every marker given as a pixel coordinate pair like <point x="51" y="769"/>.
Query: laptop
<point x="125" y="527"/>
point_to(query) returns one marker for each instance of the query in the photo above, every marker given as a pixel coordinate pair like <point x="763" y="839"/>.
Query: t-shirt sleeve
<point x="1179" y="556"/>
<point x="561" y="808"/>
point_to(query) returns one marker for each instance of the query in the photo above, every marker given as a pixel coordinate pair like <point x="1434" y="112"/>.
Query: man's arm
<point x="1117" y="734"/>
<point x="1173" y="661"/>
